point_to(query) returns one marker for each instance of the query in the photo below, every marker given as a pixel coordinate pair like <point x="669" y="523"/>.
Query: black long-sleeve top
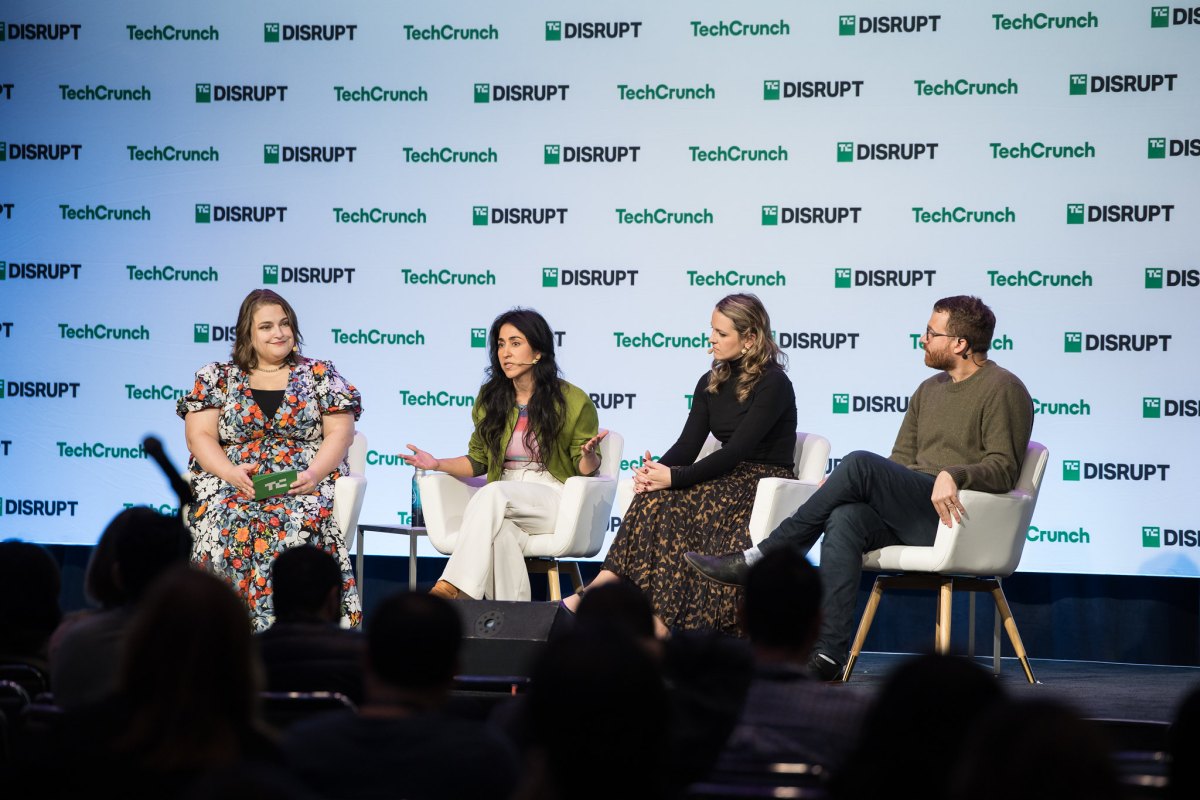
<point x="761" y="430"/>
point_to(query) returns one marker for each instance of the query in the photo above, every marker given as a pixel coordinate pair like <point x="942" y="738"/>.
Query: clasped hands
<point x="651" y="476"/>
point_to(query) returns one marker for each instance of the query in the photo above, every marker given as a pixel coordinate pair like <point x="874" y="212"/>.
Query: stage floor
<point x="1097" y="690"/>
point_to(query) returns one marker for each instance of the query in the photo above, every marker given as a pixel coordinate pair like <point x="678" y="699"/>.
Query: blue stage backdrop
<point x="402" y="172"/>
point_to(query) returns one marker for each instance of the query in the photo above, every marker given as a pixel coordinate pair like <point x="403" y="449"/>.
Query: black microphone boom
<point x="154" y="449"/>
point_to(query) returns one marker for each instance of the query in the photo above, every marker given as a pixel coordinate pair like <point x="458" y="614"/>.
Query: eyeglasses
<point x="930" y="333"/>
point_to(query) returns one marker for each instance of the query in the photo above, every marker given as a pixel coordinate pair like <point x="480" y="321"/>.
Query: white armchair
<point x="971" y="556"/>
<point x="583" y="515"/>
<point x="349" y="490"/>
<point x="777" y="498"/>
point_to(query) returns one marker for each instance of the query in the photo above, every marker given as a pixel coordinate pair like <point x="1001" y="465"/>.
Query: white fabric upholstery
<point x="349" y="490"/>
<point x="583" y="511"/>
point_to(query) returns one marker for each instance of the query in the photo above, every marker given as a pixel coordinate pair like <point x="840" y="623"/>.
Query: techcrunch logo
<point x="103" y="93"/>
<point x="273" y="274"/>
<point x="803" y="90"/>
<point x="377" y="337"/>
<point x="378" y="94"/>
<point x="1079" y="213"/>
<point x="962" y="215"/>
<point x="1077" y="470"/>
<point x="813" y="340"/>
<point x="964" y="88"/>
<point x="1165" y="16"/>
<point x="1157" y="408"/>
<point x="735" y="154"/>
<point x="37" y="508"/>
<point x="170" y="153"/>
<point x="239" y="93"/>
<point x="169" y="33"/>
<point x="1162" y="147"/>
<point x="1042" y="21"/>
<point x="809" y="215"/>
<point x="660" y="340"/>
<point x="852" y="24"/>
<point x="448" y="155"/>
<point x="737" y="28"/>
<point x="377" y="216"/>
<point x="378" y="459"/>
<point x="553" y="277"/>
<point x="52" y="390"/>
<point x="662" y="91"/>
<point x="450" y="33"/>
<point x="1081" y="83"/>
<point x="869" y="404"/>
<point x="39" y="152"/>
<point x="660" y="216"/>
<point x="848" y="151"/>
<point x="38" y="271"/>
<point x="445" y="277"/>
<point x="1079" y="536"/>
<point x="39" y="31"/>
<point x="611" y="401"/>
<point x="479" y="337"/>
<point x="846" y="278"/>
<point x="103" y="213"/>
<point x="286" y="154"/>
<point x="731" y="277"/>
<point x="520" y="92"/>
<point x="1081" y="408"/>
<point x="1153" y="536"/>
<point x="1038" y="150"/>
<point x="274" y="32"/>
<point x="1158" y="278"/>
<point x="576" y="154"/>
<point x="203" y="333"/>
<point x="207" y="213"/>
<point x="1038" y="279"/>
<point x="441" y="399"/>
<point x="1077" y="342"/>
<point x="170" y="274"/>
<point x="103" y="333"/>
<point x="1000" y="343"/>
<point x="98" y="450"/>
<point x="483" y="215"/>
<point x="557" y="30"/>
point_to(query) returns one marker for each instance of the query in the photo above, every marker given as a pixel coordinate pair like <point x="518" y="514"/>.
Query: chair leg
<point x="864" y="625"/>
<point x="1010" y="625"/>
<point x="555" y="581"/>
<point x="941" y="638"/>
<point x="576" y="576"/>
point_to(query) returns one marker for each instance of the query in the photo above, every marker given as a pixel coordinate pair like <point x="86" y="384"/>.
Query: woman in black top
<point x="746" y="401"/>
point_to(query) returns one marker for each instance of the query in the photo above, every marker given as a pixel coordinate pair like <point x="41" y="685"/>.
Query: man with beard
<point x="966" y="428"/>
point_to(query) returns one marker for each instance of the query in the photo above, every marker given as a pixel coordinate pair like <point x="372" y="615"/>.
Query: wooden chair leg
<point x="864" y="626"/>
<point x="555" y="581"/>
<point x="941" y="637"/>
<point x="1010" y="625"/>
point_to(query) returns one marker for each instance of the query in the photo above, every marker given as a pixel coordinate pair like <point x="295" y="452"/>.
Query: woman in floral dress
<point x="268" y="410"/>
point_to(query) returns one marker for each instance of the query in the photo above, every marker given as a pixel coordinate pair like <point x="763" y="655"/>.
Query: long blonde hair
<point x="749" y="317"/>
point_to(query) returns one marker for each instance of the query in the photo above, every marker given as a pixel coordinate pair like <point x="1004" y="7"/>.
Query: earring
<point x="745" y="349"/>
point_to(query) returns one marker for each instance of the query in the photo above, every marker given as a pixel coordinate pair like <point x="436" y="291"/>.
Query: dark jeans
<point x="867" y="503"/>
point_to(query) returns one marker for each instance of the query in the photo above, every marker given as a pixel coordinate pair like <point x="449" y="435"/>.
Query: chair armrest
<point x="776" y="500"/>
<point x="583" y="515"/>
<point x="348" y="494"/>
<point x="443" y="500"/>
<point x="991" y="536"/>
<point x="625" y="496"/>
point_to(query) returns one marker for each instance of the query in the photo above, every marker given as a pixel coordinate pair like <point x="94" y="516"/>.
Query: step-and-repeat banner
<point x="402" y="172"/>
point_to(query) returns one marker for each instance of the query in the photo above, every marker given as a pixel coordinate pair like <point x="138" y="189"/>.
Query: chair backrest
<point x="612" y="447"/>
<point x="357" y="456"/>
<point x="810" y="456"/>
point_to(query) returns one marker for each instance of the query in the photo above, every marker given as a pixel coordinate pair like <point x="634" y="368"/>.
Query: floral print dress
<point x="237" y="537"/>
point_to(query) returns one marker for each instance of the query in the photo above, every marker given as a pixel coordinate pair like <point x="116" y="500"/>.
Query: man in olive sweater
<point x="966" y="428"/>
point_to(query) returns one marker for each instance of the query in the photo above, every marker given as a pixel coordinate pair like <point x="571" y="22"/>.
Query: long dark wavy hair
<point x="546" y="407"/>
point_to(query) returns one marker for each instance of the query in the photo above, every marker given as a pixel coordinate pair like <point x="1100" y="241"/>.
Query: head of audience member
<point x="1035" y="749"/>
<point x="626" y="729"/>
<point x="137" y="546"/>
<point x="970" y="319"/>
<point x="622" y="608"/>
<point x="245" y="344"/>
<point x="1183" y="743"/>
<point x="413" y="642"/>
<point x="29" y="608"/>
<point x="306" y="584"/>
<point x="781" y="609"/>
<point x="190" y="674"/>
<point x="915" y="728"/>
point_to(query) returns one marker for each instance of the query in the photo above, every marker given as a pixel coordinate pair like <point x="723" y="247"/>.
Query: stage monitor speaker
<point x="504" y="637"/>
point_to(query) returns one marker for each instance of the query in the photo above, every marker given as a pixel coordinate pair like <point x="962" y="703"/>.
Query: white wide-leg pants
<point x="488" y="561"/>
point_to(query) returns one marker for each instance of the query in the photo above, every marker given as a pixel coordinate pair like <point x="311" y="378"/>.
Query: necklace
<point x="281" y="366"/>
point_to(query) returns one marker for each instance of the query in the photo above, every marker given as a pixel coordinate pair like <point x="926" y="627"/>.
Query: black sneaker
<point x="825" y="668"/>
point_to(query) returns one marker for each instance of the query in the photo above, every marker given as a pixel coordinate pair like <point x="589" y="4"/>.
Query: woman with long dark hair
<point x="533" y="430"/>
<point x="748" y="403"/>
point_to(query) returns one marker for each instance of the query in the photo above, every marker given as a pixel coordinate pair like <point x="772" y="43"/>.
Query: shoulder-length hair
<point x="749" y="317"/>
<point x="243" y="343"/>
<point x="547" y="406"/>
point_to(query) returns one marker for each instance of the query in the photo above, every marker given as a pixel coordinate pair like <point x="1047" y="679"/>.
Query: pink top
<point x="517" y="455"/>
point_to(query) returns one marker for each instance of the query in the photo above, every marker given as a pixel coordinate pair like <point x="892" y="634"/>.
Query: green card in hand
<point x="272" y="484"/>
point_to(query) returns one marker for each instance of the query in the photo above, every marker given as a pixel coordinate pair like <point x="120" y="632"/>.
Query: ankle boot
<point x="445" y="589"/>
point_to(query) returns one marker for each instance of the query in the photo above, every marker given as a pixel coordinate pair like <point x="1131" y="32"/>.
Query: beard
<point x="943" y="359"/>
